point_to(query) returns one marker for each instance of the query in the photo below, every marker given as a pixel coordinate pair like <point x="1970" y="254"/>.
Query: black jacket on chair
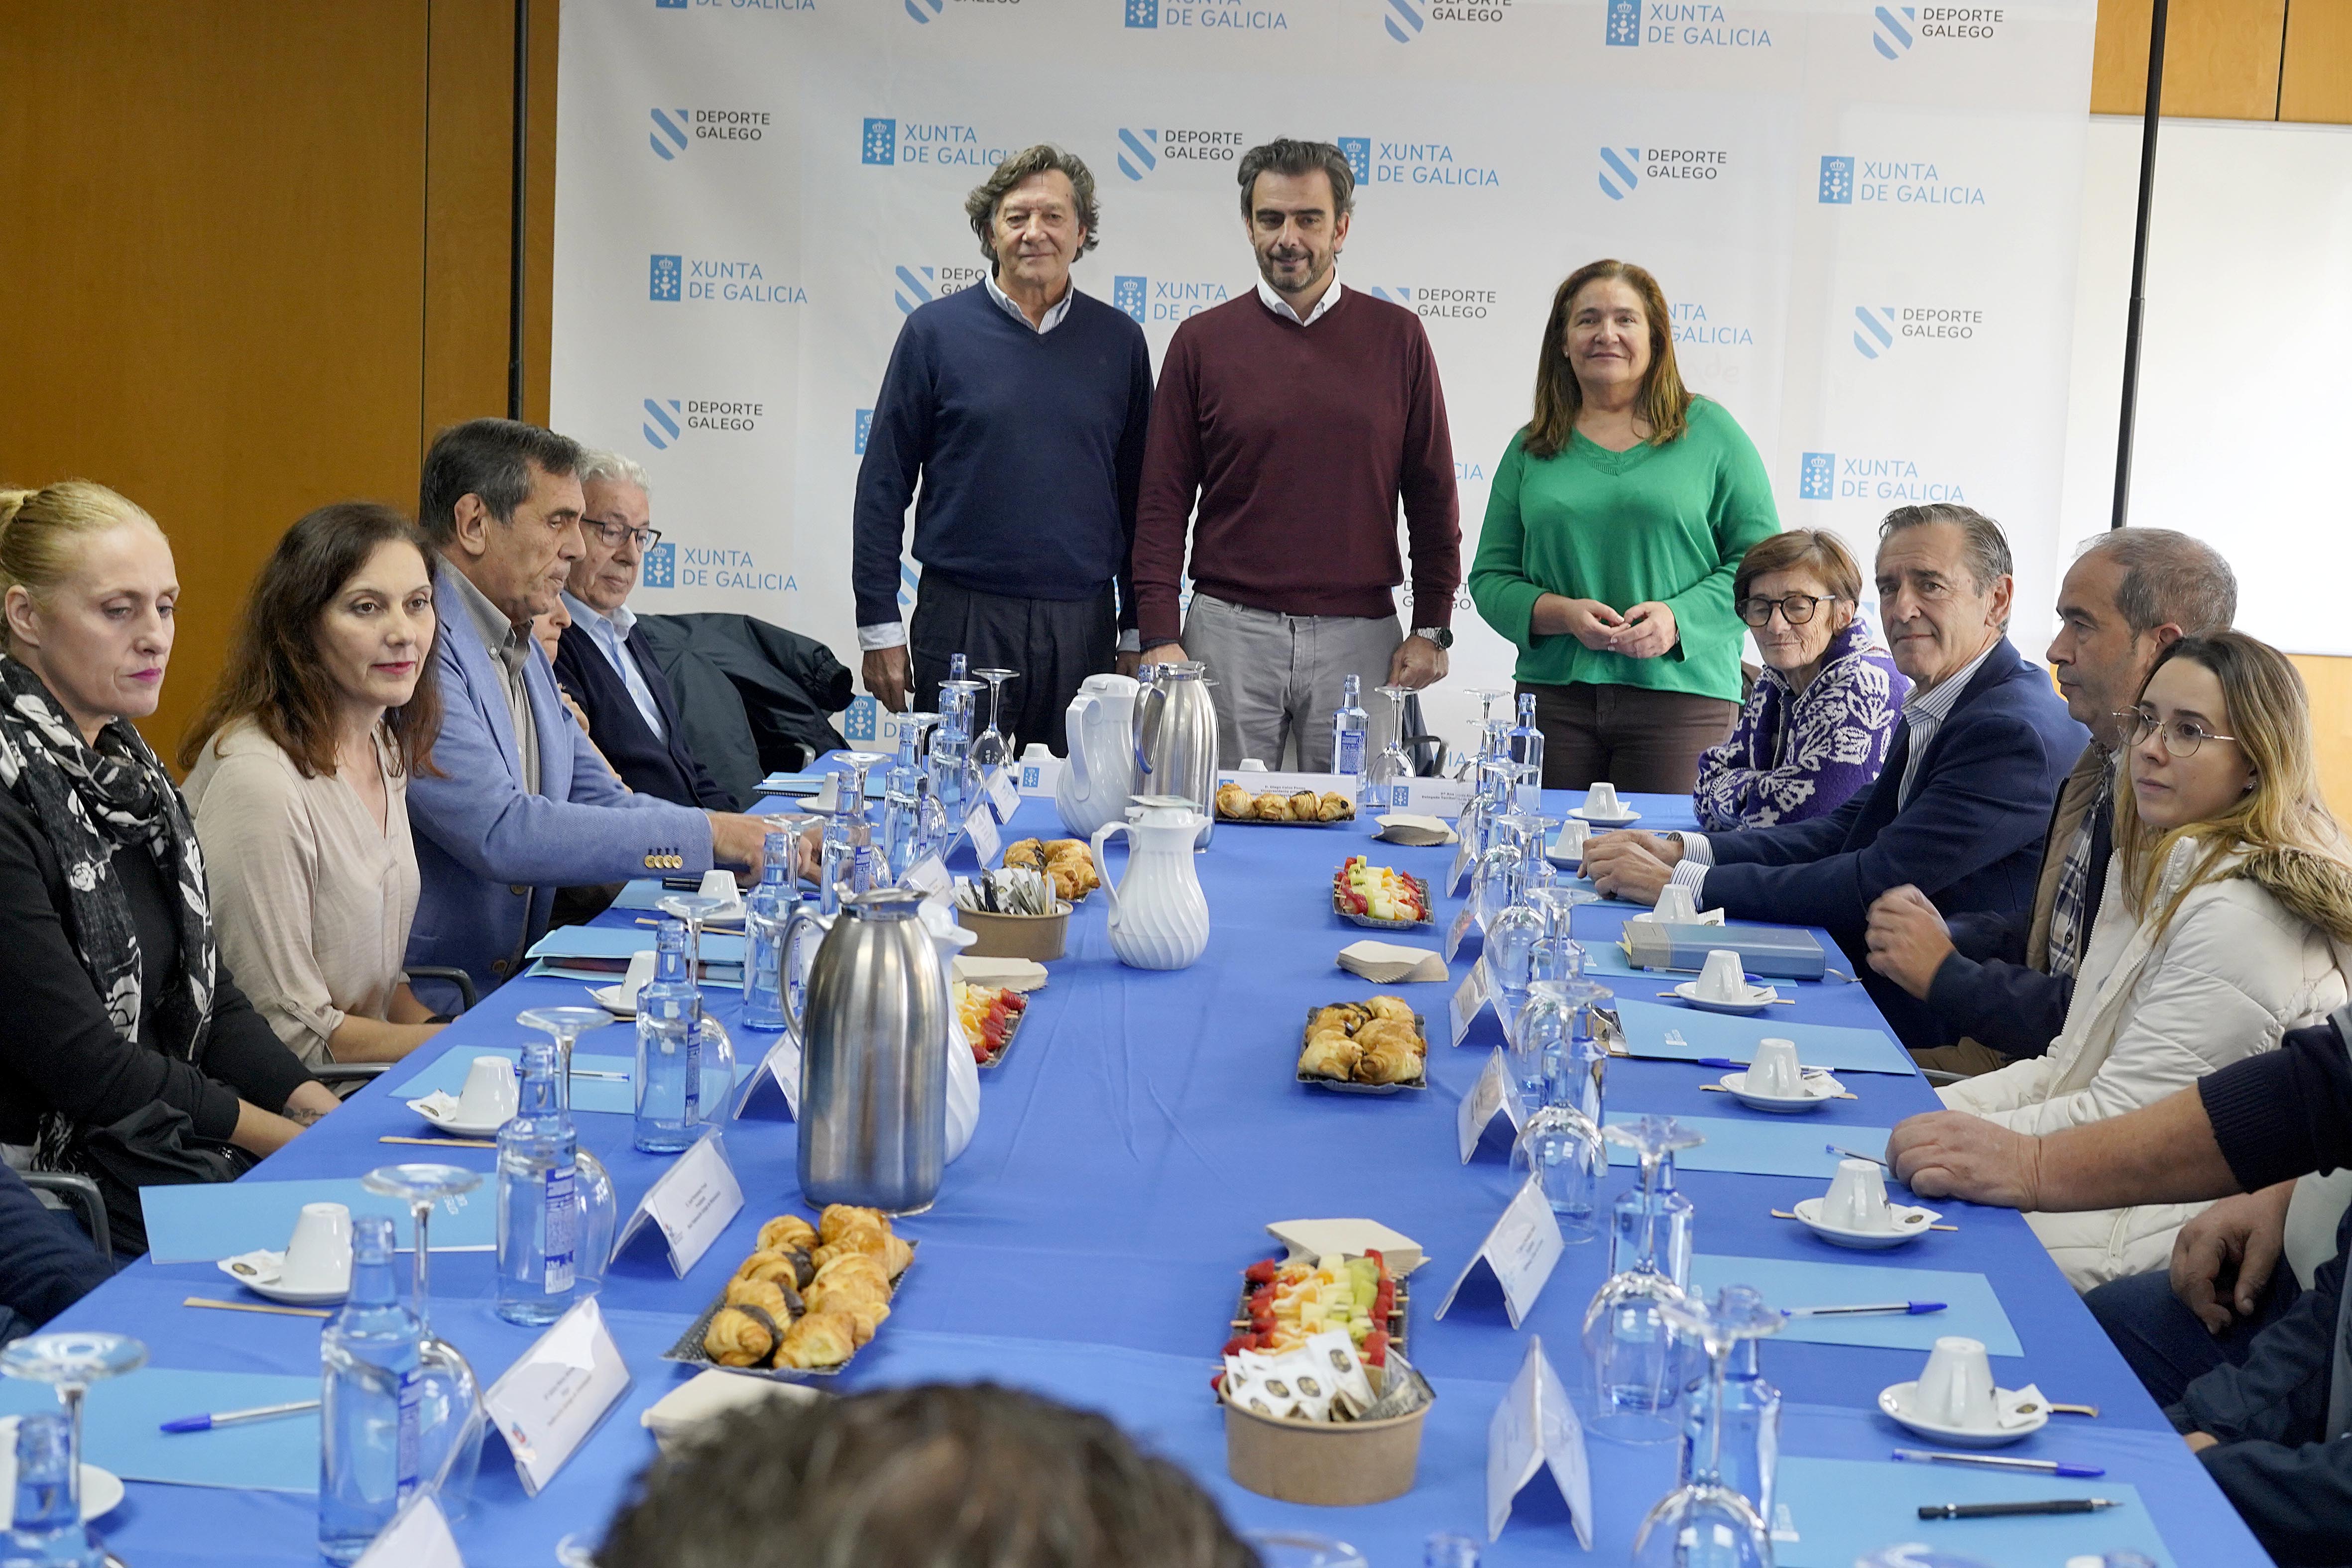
<point x="663" y="766"/>
<point x="757" y="698"/>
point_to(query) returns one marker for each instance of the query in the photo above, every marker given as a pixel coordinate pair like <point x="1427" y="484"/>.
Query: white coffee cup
<point x="1676" y="906"/>
<point x="1725" y="978"/>
<point x="319" y="1253"/>
<point x="490" y="1096"/>
<point x="1857" y="1199"/>
<point x="1570" y="844"/>
<point x="1775" y="1073"/>
<point x="1252" y="765"/>
<point x="1601" y="801"/>
<point x="1954" y="1388"/>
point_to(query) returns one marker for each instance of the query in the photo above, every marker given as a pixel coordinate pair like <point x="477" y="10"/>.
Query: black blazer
<point x="661" y="766"/>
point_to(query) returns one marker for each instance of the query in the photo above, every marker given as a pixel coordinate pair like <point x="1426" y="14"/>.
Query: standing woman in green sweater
<point x="1616" y="523"/>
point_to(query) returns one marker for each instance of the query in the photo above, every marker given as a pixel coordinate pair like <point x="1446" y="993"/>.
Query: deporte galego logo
<point x="1620" y="171"/>
<point x="1443" y="302"/>
<point x="1404" y="21"/>
<point x="918" y="286"/>
<point x="1142" y="151"/>
<point x="675" y="129"/>
<point x="1881" y="325"/>
<point x="668" y="419"/>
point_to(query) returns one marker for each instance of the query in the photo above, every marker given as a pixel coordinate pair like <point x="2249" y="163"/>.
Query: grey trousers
<point x="1279" y="677"/>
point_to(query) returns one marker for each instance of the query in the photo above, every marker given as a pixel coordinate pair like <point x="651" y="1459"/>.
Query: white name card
<point x="417" y="1537"/>
<point x="1459" y="869"/>
<point x="1458" y="931"/>
<point x="691" y="1203"/>
<point x="930" y="876"/>
<point x="986" y="842"/>
<point x="1003" y="793"/>
<point x="1536" y="1426"/>
<point x="782" y="1063"/>
<point x="547" y="1404"/>
<point x="1436" y="797"/>
<point x="1470" y="999"/>
<point x="1258" y="782"/>
<point x="1497" y="1094"/>
<point x="1520" y="1251"/>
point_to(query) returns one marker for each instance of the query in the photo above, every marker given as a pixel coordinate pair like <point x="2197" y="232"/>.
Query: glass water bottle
<point x="370" y="1397"/>
<point x="765" y="913"/>
<point x="669" y="1048"/>
<point x="1351" y="732"/>
<point x="539" y="1213"/>
<point x="47" y="1532"/>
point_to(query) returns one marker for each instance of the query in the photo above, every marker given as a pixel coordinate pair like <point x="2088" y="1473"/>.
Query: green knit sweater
<point x="1667" y="523"/>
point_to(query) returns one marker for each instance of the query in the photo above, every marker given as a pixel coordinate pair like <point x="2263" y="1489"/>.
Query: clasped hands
<point x="1630" y="864"/>
<point x="1644" y="632"/>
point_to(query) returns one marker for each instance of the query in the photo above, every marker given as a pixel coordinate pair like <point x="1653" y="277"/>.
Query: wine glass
<point x="718" y="1049"/>
<point x="70" y="1363"/>
<point x="1703" y="1523"/>
<point x="1637" y="1363"/>
<point x="599" y="1202"/>
<point x="1302" y="1549"/>
<point x="449" y="1402"/>
<point x="991" y="746"/>
<point x="1393" y="765"/>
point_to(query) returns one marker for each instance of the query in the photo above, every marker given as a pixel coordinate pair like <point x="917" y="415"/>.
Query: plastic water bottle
<point x="370" y="1395"/>
<point x="765" y="913"/>
<point x="47" y="1532"/>
<point x="669" y="1049"/>
<point x="1527" y="755"/>
<point x="1350" y="730"/>
<point x="539" y="1217"/>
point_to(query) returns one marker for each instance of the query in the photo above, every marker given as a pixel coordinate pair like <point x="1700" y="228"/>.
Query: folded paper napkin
<point x="710" y="1395"/>
<point x="1010" y="974"/>
<point x="1391" y="964"/>
<point x="1409" y="828"/>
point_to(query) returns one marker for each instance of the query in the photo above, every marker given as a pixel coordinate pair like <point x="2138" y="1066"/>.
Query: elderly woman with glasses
<point x="1815" y="727"/>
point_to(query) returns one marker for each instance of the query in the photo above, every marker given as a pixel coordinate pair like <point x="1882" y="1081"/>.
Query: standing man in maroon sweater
<point x="1296" y="418"/>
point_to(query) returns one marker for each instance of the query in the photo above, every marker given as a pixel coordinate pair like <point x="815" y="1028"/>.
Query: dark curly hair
<point x="1027" y="164"/>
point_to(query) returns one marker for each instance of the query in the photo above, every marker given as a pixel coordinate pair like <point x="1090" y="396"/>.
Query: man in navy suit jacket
<point x="632" y="715"/>
<point x="1959" y="810"/>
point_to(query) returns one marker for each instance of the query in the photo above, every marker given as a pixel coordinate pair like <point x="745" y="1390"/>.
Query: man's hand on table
<point x="1908" y="939"/>
<point x="1630" y="864"/>
<point x="2226" y="1255"/>
<point x="738" y="841"/>
<point x="1950" y="1154"/>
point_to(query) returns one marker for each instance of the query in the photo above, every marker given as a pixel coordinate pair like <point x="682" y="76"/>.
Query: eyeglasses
<point x="2182" y="736"/>
<point x="1796" y="609"/>
<point x="613" y="533"/>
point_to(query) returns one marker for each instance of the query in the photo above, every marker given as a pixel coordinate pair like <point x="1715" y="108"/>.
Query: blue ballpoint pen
<point x="232" y="1418"/>
<point x="1912" y="1308"/>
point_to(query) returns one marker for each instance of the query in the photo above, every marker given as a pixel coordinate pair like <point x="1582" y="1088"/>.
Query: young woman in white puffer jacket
<point x="2227" y="921"/>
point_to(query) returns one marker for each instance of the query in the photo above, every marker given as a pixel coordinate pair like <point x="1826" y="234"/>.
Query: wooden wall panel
<point x="214" y="272"/>
<point x="2317" y="81"/>
<point x="2221" y="57"/>
<point x="468" y="131"/>
<point x="2330" y="682"/>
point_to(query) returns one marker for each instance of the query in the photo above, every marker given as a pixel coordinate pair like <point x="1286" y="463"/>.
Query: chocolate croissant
<point x="786" y="1232"/>
<point x="820" y="1339"/>
<point x="778" y="1265"/>
<point x="1342" y="1016"/>
<point x="1388" y="1064"/>
<point x="1395" y="1008"/>
<point x="1306" y="806"/>
<point x="742" y="1336"/>
<point x="839" y="1219"/>
<point x="1330" y="1055"/>
<point x="1333" y="806"/>
<point x="1386" y="1034"/>
<point x="775" y="1298"/>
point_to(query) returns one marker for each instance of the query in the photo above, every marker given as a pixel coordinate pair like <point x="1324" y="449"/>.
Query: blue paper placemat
<point x="204" y="1223"/>
<point x="812" y="783"/>
<point x="121" y="1418"/>
<point x="448" y="1072"/>
<point x="1834" y="1046"/>
<point x="623" y="942"/>
<point x="1584" y="884"/>
<point x="1760" y="1148"/>
<point x="1845" y="1509"/>
<point x="1971" y="1307"/>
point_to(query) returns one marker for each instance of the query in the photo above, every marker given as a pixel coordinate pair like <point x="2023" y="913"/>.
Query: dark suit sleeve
<point x="2282" y="1113"/>
<point x="2293" y="1487"/>
<point x="1132" y="439"/>
<point x="2016" y="1010"/>
<point x="1964" y="815"/>
<point x="45" y="1264"/>
<point x="895" y="445"/>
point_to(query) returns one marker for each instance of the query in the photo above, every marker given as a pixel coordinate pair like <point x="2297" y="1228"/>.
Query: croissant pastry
<point x="740" y="1336"/>
<point x="839" y="1217"/>
<point x="820" y="1339"/>
<point x="1057" y="848"/>
<point x="785" y="1232"/>
<point x="1333" y="806"/>
<point x="849" y="1296"/>
<point x="1387" y="1034"/>
<point x="1233" y="801"/>
<point x="1330" y="1055"/>
<point x="774" y="1297"/>
<point x="777" y="1266"/>
<point x="1306" y="806"/>
<point x="1342" y="1016"/>
<point x="864" y="1317"/>
<point x="1395" y="1008"/>
<point x="847" y="1266"/>
<point x="1026" y="852"/>
<point x="1271" y="807"/>
<point x="1389" y="1064"/>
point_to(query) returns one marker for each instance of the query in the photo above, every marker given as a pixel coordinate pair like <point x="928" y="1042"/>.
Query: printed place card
<point x="1436" y="797"/>
<point x="1536" y="1426"/>
<point x="547" y="1404"/>
<point x="1460" y="869"/>
<point x="690" y="1203"/>
<point x="782" y="1064"/>
<point x="930" y="876"/>
<point x="1496" y="1093"/>
<point x="417" y="1537"/>
<point x="1003" y="793"/>
<point x="1470" y="999"/>
<point x="1520" y="1251"/>
<point x="1455" y="933"/>
<point x="986" y="842"/>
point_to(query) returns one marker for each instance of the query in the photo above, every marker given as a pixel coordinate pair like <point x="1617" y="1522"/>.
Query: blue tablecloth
<point x="1143" y="1130"/>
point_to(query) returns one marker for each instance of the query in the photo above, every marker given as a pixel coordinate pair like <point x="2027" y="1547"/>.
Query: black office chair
<point x="63" y="1189"/>
<point x="361" y="1073"/>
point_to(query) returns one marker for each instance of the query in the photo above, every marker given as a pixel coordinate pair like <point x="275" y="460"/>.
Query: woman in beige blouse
<point x="298" y="772"/>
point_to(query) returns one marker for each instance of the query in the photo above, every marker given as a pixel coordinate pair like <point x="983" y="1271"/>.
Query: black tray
<point x="1344" y="1086"/>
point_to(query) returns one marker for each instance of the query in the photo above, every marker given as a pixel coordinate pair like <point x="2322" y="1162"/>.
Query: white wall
<point x="2245" y="389"/>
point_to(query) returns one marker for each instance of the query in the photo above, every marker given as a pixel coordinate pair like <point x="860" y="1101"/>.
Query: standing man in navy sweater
<point x="1021" y="406"/>
<point x="1297" y="417"/>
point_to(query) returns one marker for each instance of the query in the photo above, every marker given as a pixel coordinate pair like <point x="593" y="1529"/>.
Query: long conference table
<point x="1143" y="1130"/>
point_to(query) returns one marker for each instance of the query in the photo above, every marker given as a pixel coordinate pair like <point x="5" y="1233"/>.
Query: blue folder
<point x="1789" y="1147"/>
<point x="1843" y="1510"/>
<point x="1834" y="1046"/>
<point x="121" y="1418"/>
<point x="1971" y="1307"/>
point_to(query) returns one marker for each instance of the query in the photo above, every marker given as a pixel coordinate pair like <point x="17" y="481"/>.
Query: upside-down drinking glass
<point x="449" y="1416"/>
<point x="1703" y="1524"/>
<point x="70" y="1363"/>
<point x="993" y="746"/>
<point x="1638" y="1364"/>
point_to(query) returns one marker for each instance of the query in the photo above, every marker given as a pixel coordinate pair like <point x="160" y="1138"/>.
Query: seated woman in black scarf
<point x="126" y="1051"/>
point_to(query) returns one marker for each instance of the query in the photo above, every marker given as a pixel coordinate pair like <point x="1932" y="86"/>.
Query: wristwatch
<point x="1441" y="635"/>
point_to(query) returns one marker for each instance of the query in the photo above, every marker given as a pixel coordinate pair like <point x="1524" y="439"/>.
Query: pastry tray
<point x="1338" y="1086"/>
<point x="1400" y="1313"/>
<point x="1344" y="913"/>
<point x="688" y="1348"/>
<point x="1286" y="822"/>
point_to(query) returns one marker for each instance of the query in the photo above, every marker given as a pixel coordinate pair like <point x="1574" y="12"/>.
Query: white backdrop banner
<point x="1865" y="217"/>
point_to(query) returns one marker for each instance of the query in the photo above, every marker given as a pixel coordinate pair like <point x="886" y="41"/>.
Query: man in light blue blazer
<point x="522" y="804"/>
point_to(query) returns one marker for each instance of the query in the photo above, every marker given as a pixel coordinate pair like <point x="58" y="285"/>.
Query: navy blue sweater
<point x="1029" y="447"/>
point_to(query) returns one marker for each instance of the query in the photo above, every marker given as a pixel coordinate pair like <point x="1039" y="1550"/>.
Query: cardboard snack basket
<point x="1332" y="1464"/>
<point x="1039" y="936"/>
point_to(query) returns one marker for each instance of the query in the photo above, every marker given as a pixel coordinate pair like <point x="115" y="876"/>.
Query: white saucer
<point x="258" y="1272"/>
<point x="1911" y="1223"/>
<point x="1579" y="813"/>
<point x="1895" y="1400"/>
<point x="1752" y="999"/>
<point x="1818" y="1089"/>
<point x="440" y="1108"/>
<point x="613" y="998"/>
<point x="1565" y="861"/>
<point x="102" y="1491"/>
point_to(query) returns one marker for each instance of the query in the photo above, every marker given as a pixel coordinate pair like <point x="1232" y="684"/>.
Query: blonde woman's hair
<point x="2293" y="846"/>
<point x="43" y="533"/>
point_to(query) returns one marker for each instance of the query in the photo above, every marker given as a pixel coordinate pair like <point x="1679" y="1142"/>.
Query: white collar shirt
<point x="1054" y="312"/>
<point x="1281" y="307"/>
<point x="1923" y="713"/>
<point x="610" y="635"/>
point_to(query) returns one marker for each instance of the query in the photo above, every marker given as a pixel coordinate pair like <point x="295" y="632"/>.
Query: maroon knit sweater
<point x="1298" y="442"/>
